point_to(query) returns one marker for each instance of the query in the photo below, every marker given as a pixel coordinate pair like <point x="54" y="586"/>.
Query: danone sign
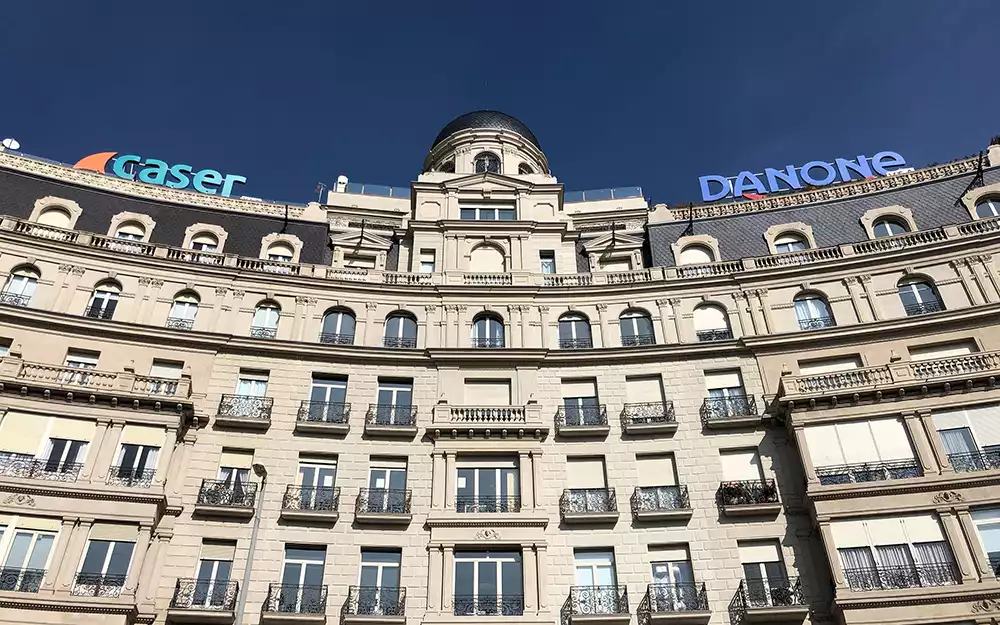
<point x="153" y="171"/>
<point x="814" y="173"/>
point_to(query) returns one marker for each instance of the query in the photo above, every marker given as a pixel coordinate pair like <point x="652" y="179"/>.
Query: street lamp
<point x="261" y="472"/>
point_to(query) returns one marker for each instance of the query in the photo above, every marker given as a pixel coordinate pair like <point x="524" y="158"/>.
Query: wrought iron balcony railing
<point x="21" y="580"/>
<point x="648" y="413"/>
<point x="488" y="605"/>
<point x="593" y="600"/>
<point x="376" y="601"/>
<point x="662" y="598"/>
<point x="250" y="407"/>
<point x="718" y="334"/>
<point x="816" y="323"/>
<point x="97" y="312"/>
<point x="336" y="339"/>
<point x="296" y="599"/>
<point x="975" y="461"/>
<point x="586" y="343"/>
<point x="633" y="340"/>
<point x="659" y="498"/>
<point x="587" y="501"/>
<point x="732" y="407"/>
<point x="765" y="593"/>
<point x="922" y="308"/>
<point x="178" y="323"/>
<point x="131" y="477"/>
<point x="31" y="468"/>
<point x="97" y="585"/>
<point x="398" y="341"/>
<point x="383" y="501"/>
<point x="485" y="503"/>
<point x="318" y="498"/>
<point x="868" y="472"/>
<point x="204" y="594"/>
<point x="494" y="343"/>
<point x="14" y="299"/>
<point x="324" y="412"/>
<point x="913" y="576"/>
<point x="263" y="332"/>
<point x="401" y="415"/>
<point x="225" y="494"/>
<point x="747" y="493"/>
<point x="581" y="416"/>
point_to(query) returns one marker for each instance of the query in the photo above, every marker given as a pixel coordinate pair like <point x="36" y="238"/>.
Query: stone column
<point x="765" y="309"/>
<point x="147" y="304"/>
<point x="163" y="464"/>
<point x="983" y="264"/>
<point x="920" y="445"/>
<point x="139" y="556"/>
<point x="214" y="322"/>
<point x="108" y="448"/>
<point x="935" y="441"/>
<point x="860" y="308"/>
<point x="449" y="315"/>
<point x="300" y="304"/>
<point x="137" y="303"/>
<point x="230" y="318"/>
<point x="463" y="328"/>
<point x="517" y="251"/>
<point x="437" y="480"/>
<point x="435" y="569"/>
<point x="541" y="555"/>
<point x="57" y="562"/>
<point x="807" y="464"/>
<point x="513" y="329"/>
<point x="149" y="578"/>
<point x="536" y="477"/>
<point x="826" y="532"/>
<point x="959" y="546"/>
<point x="744" y="310"/>
<point x="371" y="338"/>
<point x="962" y="270"/>
<point x="64" y="299"/>
<point x="433" y="330"/>
<point x="526" y="470"/>
<point x="95" y="445"/>
<point x="983" y="567"/>
<point x="543" y="319"/>
<point x="49" y="298"/>
<point x="602" y="320"/>
<point x="756" y="316"/>
<point x="529" y="565"/>
<point x="449" y="478"/>
<point x="866" y="284"/>
<point x="448" y="577"/>
<point x="175" y="479"/>
<point x="74" y="556"/>
<point x="666" y="328"/>
<point x="675" y="308"/>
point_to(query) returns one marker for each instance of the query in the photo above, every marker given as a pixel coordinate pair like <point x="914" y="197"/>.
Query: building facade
<point x="485" y="399"/>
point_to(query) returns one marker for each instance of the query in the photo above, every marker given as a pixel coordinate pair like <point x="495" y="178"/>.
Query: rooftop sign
<point x="153" y="171"/>
<point x="814" y="173"/>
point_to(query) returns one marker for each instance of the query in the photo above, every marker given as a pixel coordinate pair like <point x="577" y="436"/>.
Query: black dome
<point x="486" y="119"/>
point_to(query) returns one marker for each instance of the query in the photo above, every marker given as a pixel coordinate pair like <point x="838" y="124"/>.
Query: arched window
<point x="919" y="296"/>
<point x="889" y="226"/>
<point x="280" y="251"/>
<point x="400" y="330"/>
<point x="525" y="169"/>
<point x="55" y="216"/>
<point x="636" y="328"/>
<point x="183" y="311"/>
<point x="447" y="167"/>
<point x="487" y="162"/>
<point x="711" y="323"/>
<point x="487" y="258"/>
<point x="104" y="300"/>
<point x="813" y="312"/>
<point x="265" y="320"/>
<point x="20" y="286"/>
<point x="338" y="327"/>
<point x="696" y="255"/>
<point x="131" y="231"/>
<point x="790" y="242"/>
<point x="487" y="331"/>
<point x="574" y="332"/>
<point x="988" y="208"/>
<point x="205" y="242"/>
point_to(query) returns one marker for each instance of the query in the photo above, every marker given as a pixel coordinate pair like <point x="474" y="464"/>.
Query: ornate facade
<point x="484" y="399"/>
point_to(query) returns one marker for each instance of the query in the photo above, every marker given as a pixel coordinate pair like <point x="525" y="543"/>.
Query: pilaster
<point x="100" y="432"/>
<point x="108" y="447"/>
<point x="602" y="319"/>
<point x="920" y="444"/>
<point x="959" y="546"/>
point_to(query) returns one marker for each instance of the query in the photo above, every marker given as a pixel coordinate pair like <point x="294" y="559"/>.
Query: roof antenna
<point x="689" y="231"/>
<point x="284" y="226"/>
<point x="977" y="180"/>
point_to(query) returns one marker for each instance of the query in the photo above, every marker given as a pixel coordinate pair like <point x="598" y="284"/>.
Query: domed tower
<point x="486" y="141"/>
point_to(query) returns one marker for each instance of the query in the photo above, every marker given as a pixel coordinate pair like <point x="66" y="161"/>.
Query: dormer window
<point x="525" y="169"/>
<point x="488" y="213"/>
<point x="487" y="162"/>
<point x="447" y="167"/>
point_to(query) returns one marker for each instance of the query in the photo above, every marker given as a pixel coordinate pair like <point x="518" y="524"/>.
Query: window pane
<point x="121" y="555"/>
<point x="97" y="553"/>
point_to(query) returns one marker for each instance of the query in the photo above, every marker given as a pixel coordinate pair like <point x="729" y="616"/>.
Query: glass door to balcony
<point x="387" y="490"/>
<point x="326" y="400"/>
<point x="27" y="556"/>
<point x="302" y="580"/>
<point x="582" y="411"/>
<point x="134" y="461"/>
<point x="595" y="575"/>
<point x="63" y="455"/>
<point x="212" y="583"/>
<point x="394" y="402"/>
<point x="316" y="481"/>
<point x="486" y="490"/>
<point x="673" y="587"/>
<point x="766" y="583"/>
<point x="379" y="583"/>
<point x="488" y="584"/>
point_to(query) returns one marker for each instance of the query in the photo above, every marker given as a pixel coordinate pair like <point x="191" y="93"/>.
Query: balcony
<point x="982" y="460"/>
<point x="383" y="506"/>
<point x="262" y="332"/>
<point x="718" y="334"/>
<point x="512" y="419"/>
<point x="374" y="604"/>
<point x="488" y="605"/>
<point x="97" y="585"/>
<point x="587" y="343"/>
<point x="13" y="299"/>
<point x="391" y="420"/>
<point x="222" y="498"/>
<point x="922" y="308"/>
<point x="895" y="577"/>
<point x="588" y="505"/>
<point x="30" y="468"/>
<point x="599" y="604"/>
<point x="582" y="421"/>
<point x="397" y="342"/>
<point x="316" y="417"/>
<point x="733" y="412"/>
<point x="649" y="418"/>
<point x="868" y="472"/>
<point x="244" y="411"/>
<point x="777" y="600"/>
<point x="686" y="604"/>
<point x="177" y="323"/>
<point x="748" y="498"/>
<point x="634" y="340"/>
<point x="486" y="343"/>
<point x="316" y="504"/>
<point x="130" y="478"/>
<point x="292" y="603"/>
<point x="336" y="339"/>
<point x="496" y="504"/>
<point x="661" y="503"/>
<point x="200" y="601"/>
<point x="96" y="311"/>
<point x="816" y="323"/>
<point x="21" y="580"/>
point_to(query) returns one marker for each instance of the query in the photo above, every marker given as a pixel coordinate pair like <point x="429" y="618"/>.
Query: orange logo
<point x="95" y="162"/>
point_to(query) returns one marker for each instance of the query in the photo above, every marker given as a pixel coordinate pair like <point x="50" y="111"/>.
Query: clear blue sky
<point x="619" y="93"/>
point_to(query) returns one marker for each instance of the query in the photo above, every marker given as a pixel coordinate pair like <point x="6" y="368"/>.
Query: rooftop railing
<point x="597" y="195"/>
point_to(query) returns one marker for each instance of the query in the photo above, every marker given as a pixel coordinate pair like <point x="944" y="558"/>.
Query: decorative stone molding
<point x="290" y="240"/>
<point x="126" y="217"/>
<point x="948" y="496"/>
<point x="487" y="534"/>
<point x="195" y="229"/>
<point x="986" y="605"/>
<point x="52" y="202"/>
<point x="19" y="499"/>
<point x="896" y="211"/>
<point x="799" y="228"/>
<point x="702" y="240"/>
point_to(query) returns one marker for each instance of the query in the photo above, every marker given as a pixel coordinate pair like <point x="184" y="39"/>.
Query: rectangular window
<point x="301" y="578"/>
<point x="212" y="586"/>
<point x="595" y="569"/>
<point x="166" y="374"/>
<point x="658" y="488"/>
<point x="63" y="455"/>
<point x="615" y="264"/>
<point x="741" y="465"/>
<point x="830" y="365"/>
<point x="724" y="384"/>
<point x="79" y="359"/>
<point x="4" y="346"/>
<point x="395" y="402"/>
<point x="580" y="402"/>
<point x="427" y="258"/>
<point x="764" y="572"/>
<point x="488" y="213"/>
<point x="487" y="392"/>
<point x="487" y="485"/>
<point x="378" y="580"/>
<point x="234" y="470"/>
<point x="387" y="485"/>
<point x="880" y="446"/>
<point x="136" y="463"/>
<point x="987" y="524"/>
<point x="108" y="557"/>
<point x="673" y="588"/>
<point x="24" y="557"/>
<point x="970" y="436"/>
<point x="943" y="350"/>
<point x="359" y="262"/>
<point x="328" y="389"/>
<point x="252" y="383"/>
<point x="641" y="389"/>
<point x="547" y="260"/>
<point x="317" y="478"/>
<point x="488" y="583"/>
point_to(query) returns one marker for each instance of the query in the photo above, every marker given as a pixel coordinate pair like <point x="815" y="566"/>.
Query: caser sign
<point x="815" y="173"/>
<point x="153" y="171"/>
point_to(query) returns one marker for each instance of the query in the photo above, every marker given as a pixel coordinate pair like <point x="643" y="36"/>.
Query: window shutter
<point x="859" y="444"/>
<point x="487" y="392"/>
<point x="579" y="388"/>
<point x="643" y="389"/>
<point x="847" y="534"/>
<point x="829" y="365"/>
<point x="942" y="350"/>
<point x="891" y="438"/>
<point x="166" y="369"/>
<point x="114" y="531"/>
<point x="656" y="470"/>
<point x="38" y="523"/>
<point x="710" y="318"/>
<point x="669" y="553"/>
<point x="585" y="473"/>
<point x="985" y="422"/>
<point x="824" y="446"/>
<point x="73" y="429"/>
<point x="236" y="459"/>
<point x="22" y="433"/>
<point x="948" y="419"/>
<point x="885" y="531"/>
<point x="923" y="528"/>
<point x="759" y="552"/>
<point x="218" y="550"/>
<point x="723" y="379"/>
<point x="742" y="464"/>
<point x="144" y="435"/>
<point x="696" y="255"/>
